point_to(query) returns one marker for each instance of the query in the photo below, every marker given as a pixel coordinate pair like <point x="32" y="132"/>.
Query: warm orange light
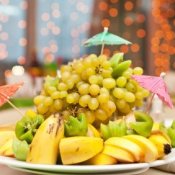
<point x="103" y="6"/>
<point x="141" y="33"/>
<point x="124" y="48"/>
<point x="21" y="60"/>
<point x="128" y="21"/>
<point x="23" y="42"/>
<point x="114" y="1"/>
<point x="129" y="5"/>
<point x="107" y="51"/>
<point x="113" y="12"/>
<point x="135" y="47"/>
<point x="140" y="18"/>
<point x="105" y="23"/>
<point x="8" y="73"/>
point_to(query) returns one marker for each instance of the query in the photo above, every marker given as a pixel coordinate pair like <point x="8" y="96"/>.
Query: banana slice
<point x="127" y="145"/>
<point x="149" y="149"/>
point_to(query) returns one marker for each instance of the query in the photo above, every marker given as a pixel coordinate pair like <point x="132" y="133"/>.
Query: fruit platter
<point x="91" y="118"/>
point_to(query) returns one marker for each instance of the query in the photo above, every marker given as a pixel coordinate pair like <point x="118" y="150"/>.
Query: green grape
<point x="106" y="73"/>
<point x="75" y="78"/>
<point x="145" y="93"/>
<point x="87" y="62"/>
<point x="38" y="99"/>
<point x="93" y="79"/>
<point x="79" y="67"/>
<point x="66" y="114"/>
<point x="109" y="107"/>
<point x="138" y="103"/>
<point x="84" y="75"/>
<point x="101" y="115"/>
<point x="63" y="94"/>
<point x="127" y="74"/>
<point x="76" y="97"/>
<point x="121" y="103"/>
<point x="79" y="83"/>
<point x="103" y="98"/>
<point x="121" y="81"/>
<point x="90" y="71"/>
<point x="90" y="115"/>
<point x="106" y="64"/>
<point x="65" y="68"/>
<point x="55" y="95"/>
<point x="100" y="79"/>
<point x="129" y="97"/>
<point x="70" y="84"/>
<point x="62" y="86"/>
<point x="93" y="104"/>
<point x="126" y="109"/>
<point x="104" y="90"/>
<point x="131" y="87"/>
<point x="65" y="76"/>
<point x="51" y="90"/>
<point x="48" y="101"/>
<point x="94" y="89"/>
<point x="109" y="83"/>
<point x="137" y="71"/>
<point x="58" y="104"/>
<point x="42" y="109"/>
<point x="139" y="95"/>
<point x="83" y="88"/>
<point x="118" y="93"/>
<point x="70" y="98"/>
<point x="84" y="100"/>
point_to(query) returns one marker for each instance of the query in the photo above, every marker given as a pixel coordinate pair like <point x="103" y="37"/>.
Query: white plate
<point x="73" y="169"/>
<point x="86" y="169"/>
<point x="126" y="172"/>
<point x="166" y="160"/>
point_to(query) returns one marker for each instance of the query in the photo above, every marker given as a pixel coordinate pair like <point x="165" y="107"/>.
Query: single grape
<point x="121" y="81"/>
<point x="106" y="73"/>
<point x="90" y="115"/>
<point x="42" y="109"/>
<point x="83" y="88"/>
<point x="48" y="101"/>
<point x="51" y="90"/>
<point x="118" y="93"/>
<point x="101" y="115"/>
<point x="93" y="104"/>
<point x="70" y="84"/>
<point x="63" y="94"/>
<point x="121" y="103"/>
<point x="131" y="87"/>
<point x="55" y="95"/>
<point x="76" y="97"/>
<point x="139" y="95"/>
<point x="103" y="98"/>
<point x="109" y="83"/>
<point x="109" y="107"/>
<point x="129" y="97"/>
<point x="94" y="89"/>
<point x="65" y="76"/>
<point x="126" y="109"/>
<point x="70" y="98"/>
<point x="62" y="86"/>
<point x="137" y="71"/>
<point x="93" y="79"/>
<point x="38" y="99"/>
<point x="58" y="104"/>
<point x="84" y="100"/>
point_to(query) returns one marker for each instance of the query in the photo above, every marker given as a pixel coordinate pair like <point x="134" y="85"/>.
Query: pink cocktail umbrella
<point x="7" y="91"/>
<point x="156" y="85"/>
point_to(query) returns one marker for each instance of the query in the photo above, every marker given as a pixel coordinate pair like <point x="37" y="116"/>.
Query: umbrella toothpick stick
<point x="102" y="39"/>
<point x="12" y="105"/>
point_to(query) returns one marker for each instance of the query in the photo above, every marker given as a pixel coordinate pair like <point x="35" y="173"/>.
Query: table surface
<point x="10" y="116"/>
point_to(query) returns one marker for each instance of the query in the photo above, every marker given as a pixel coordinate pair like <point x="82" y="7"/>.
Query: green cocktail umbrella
<point x="105" y="38"/>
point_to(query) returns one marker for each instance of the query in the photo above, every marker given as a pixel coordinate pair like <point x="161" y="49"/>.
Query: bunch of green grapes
<point x="88" y="85"/>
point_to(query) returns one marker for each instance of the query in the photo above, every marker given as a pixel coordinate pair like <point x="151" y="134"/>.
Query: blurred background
<point x="38" y="36"/>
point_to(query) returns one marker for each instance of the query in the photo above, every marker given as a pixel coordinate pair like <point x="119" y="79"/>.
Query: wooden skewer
<point x="10" y="103"/>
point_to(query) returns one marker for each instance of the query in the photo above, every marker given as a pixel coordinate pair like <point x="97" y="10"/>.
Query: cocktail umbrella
<point x="105" y="38"/>
<point x="157" y="86"/>
<point x="7" y="91"/>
